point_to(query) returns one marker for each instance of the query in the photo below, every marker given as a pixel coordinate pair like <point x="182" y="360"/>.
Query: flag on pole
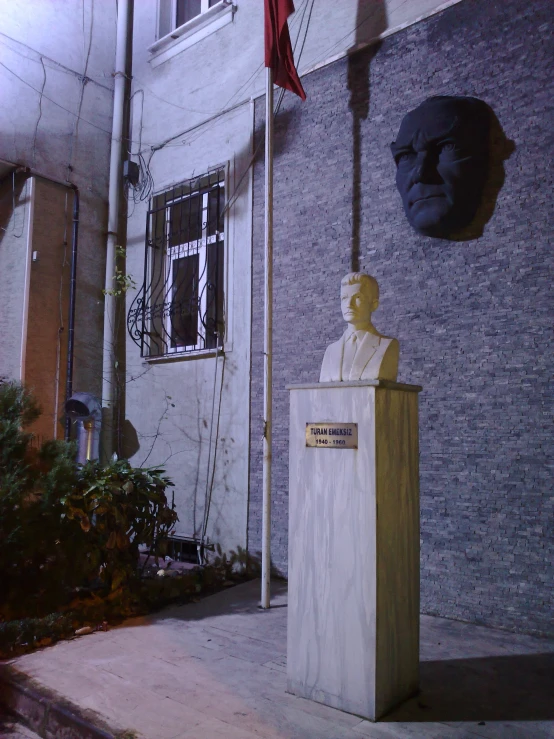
<point x="278" y="48"/>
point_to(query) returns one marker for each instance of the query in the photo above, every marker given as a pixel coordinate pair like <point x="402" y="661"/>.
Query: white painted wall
<point x="170" y="404"/>
<point x="53" y="120"/>
<point x="227" y="67"/>
<point x="180" y="105"/>
<point x="14" y="255"/>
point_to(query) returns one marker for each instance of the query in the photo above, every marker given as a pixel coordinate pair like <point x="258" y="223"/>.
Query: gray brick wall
<point x="474" y="318"/>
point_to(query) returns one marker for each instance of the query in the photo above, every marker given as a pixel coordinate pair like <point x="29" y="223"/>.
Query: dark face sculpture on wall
<point x="441" y="155"/>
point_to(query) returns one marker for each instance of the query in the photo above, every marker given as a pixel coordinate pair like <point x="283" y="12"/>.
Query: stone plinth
<point x="353" y="613"/>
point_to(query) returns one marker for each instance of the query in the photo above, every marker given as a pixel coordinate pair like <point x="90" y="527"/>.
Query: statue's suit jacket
<point x="370" y="362"/>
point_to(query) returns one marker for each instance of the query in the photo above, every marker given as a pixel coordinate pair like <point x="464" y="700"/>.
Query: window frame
<point x="189" y="249"/>
<point x="183" y="37"/>
<point x="162" y="33"/>
<point x="150" y="313"/>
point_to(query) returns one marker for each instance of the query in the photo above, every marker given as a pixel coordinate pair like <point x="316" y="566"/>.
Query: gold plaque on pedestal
<point x="332" y="435"/>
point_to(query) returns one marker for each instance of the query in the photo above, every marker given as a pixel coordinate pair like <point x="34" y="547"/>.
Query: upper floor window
<point x="180" y="306"/>
<point x="175" y="13"/>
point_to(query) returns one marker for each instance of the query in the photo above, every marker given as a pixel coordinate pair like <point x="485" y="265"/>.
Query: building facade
<point x="56" y="75"/>
<point x="197" y="67"/>
<point x="472" y="316"/>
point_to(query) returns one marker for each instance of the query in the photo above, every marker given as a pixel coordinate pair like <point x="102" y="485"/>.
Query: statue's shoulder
<point x="384" y="341"/>
<point x="390" y="345"/>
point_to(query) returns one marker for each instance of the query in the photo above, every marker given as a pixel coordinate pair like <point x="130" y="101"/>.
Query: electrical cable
<point x="208" y="495"/>
<point x="153" y="146"/>
<point x="42" y="56"/>
<point x="139" y="81"/>
<point x="144" y="189"/>
<point x="58" y="105"/>
<point x="210" y="479"/>
<point x="202" y="125"/>
<point x="225" y="109"/>
<point x="39" y="115"/>
<point x="84" y="80"/>
<point x="232" y="198"/>
<point x="28" y="84"/>
<point x="158" y="145"/>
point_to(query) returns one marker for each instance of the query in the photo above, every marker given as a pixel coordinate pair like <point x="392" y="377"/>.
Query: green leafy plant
<point x="233" y="564"/>
<point x="31" y="482"/>
<point x="121" y="281"/>
<point x="119" y="509"/>
<point x="64" y="526"/>
<point x="71" y="537"/>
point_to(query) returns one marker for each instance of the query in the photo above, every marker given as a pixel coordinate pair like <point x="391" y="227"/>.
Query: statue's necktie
<point x="350" y="347"/>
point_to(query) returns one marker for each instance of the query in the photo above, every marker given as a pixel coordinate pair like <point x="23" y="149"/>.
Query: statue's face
<point x="441" y="155"/>
<point x="357" y="303"/>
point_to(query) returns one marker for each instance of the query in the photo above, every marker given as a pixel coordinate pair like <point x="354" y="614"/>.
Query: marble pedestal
<point x="353" y="611"/>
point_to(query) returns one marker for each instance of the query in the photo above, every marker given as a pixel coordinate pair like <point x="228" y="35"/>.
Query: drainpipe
<point x="72" y="285"/>
<point x="115" y="185"/>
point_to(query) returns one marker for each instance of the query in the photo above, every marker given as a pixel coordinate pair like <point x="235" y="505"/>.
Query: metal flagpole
<point x="268" y="340"/>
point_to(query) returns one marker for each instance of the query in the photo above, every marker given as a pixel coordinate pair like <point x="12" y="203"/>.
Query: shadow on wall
<point x="516" y="687"/>
<point x="129" y="443"/>
<point x="371" y="21"/>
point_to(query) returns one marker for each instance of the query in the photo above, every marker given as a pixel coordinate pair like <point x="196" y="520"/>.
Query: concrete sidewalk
<point x="216" y="670"/>
<point x="11" y="729"/>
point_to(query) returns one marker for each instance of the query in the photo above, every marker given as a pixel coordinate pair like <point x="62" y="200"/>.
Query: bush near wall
<point x="66" y="527"/>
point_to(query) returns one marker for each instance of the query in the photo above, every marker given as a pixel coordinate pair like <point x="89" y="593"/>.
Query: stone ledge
<point x="45" y="712"/>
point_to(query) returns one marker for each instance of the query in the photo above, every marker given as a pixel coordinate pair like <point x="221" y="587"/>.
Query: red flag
<point x="278" y="49"/>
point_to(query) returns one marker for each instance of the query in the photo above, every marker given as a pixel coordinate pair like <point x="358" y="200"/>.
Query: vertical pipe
<point x="268" y="341"/>
<point x="30" y="194"/>
<point x="71" y="319"/>
<point x="108" y="353"/>
<point x="89" y="429"/>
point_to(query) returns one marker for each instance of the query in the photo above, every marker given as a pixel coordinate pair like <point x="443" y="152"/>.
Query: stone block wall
<point x="474" y="317"/>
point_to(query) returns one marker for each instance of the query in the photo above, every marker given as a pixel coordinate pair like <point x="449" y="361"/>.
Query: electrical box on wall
<point x="131" y="172"/>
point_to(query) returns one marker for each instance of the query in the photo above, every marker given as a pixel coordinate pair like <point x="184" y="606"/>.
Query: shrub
<point x="120" y="508"/>
<point x="31" y="482"/>
<point x="64" y="526"/>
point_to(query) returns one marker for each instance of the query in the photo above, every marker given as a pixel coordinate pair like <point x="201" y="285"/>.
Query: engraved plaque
<point x="332" y="435"/>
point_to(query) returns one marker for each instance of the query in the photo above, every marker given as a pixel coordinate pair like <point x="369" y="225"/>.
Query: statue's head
<point x="359" y="297"/>
<point x="442" y="156"/>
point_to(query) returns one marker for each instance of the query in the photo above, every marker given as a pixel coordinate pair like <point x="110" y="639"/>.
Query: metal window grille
<point x="179" y="307"/>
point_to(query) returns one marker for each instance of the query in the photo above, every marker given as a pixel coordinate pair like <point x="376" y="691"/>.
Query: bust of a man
<point x="442" y="157"/>
<point x="362" y="353"/>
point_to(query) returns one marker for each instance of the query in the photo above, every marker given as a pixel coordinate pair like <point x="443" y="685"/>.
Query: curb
<point x="48" y="715"/>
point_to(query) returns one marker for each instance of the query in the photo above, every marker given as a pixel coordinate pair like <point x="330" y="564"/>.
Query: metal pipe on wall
<point x="115" y="184"/>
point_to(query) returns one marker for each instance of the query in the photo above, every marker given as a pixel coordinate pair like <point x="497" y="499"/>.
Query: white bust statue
<point x="362" y="353"/>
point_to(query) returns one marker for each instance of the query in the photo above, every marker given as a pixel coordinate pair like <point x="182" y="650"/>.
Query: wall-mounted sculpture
<point x="442" y="162"/>
<point x="362" y="353"/>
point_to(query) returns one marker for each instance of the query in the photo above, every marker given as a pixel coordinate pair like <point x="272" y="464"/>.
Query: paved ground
<point x="13" y="730"/>
<point x="216" y="670"/>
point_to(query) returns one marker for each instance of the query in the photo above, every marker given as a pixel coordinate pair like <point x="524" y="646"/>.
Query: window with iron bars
<point x="179" y="308"/>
